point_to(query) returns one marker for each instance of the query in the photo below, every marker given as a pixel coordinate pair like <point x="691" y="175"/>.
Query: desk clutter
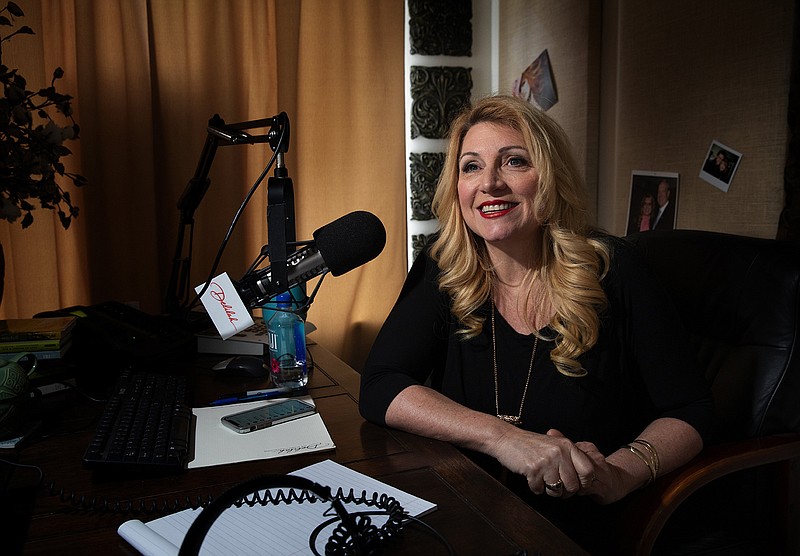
<point x="55" y="505"/>
<point x="252" y="341"/>
<point x="283" y="521"/>
<point x="115" y="329"/>
<point x="92" y="341"/>
<point x="146" y="425"/>
<point x="46" y="338"/>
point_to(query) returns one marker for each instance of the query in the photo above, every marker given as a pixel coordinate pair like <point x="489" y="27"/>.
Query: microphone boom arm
<point x="280" y="192"/>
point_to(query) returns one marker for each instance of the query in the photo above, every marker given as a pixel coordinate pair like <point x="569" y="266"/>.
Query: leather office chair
<point x="740" y="299"/>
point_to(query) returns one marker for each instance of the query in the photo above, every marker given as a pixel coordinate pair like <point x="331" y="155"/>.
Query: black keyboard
<point x="146" y="425"/>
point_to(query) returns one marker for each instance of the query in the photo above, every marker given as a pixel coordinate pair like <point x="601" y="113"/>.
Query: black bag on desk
<point x="118" y="334"/>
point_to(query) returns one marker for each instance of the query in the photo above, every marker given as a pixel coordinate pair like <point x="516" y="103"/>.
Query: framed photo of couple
<point x="653" y="202"/>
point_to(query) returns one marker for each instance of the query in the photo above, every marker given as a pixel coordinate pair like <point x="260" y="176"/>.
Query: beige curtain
<point x="147" y="76"/>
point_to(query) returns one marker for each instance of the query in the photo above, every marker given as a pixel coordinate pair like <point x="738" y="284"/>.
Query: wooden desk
<point x="475" y="514"/>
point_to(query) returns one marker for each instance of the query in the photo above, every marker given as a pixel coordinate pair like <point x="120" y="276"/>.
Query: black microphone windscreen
<point x="350" y="241"/>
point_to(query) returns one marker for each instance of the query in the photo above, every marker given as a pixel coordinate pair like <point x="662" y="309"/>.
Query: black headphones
<point x="353" y="537"/>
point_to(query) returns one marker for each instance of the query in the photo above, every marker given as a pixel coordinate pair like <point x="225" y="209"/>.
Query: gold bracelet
<point x="653" y="454"/>
<point x="641" y="455"/>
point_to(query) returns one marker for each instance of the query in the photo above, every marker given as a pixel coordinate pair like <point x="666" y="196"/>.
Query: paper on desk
<point x="282" y="529"/>
<point x="215" y="444"/>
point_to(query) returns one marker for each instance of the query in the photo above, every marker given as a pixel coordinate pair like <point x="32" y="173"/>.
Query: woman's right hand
<point x="545" y="459"/>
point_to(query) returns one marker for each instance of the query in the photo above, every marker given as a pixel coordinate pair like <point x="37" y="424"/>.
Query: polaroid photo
<point x="720" y="165"/>
<point x="653" y="201"/>
<point x="536" y="84"/>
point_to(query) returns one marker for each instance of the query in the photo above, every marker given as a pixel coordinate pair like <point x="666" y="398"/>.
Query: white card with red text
<point x="225" y="307"/>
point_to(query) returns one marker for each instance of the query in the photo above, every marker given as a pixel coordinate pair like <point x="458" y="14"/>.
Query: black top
<point x="642" y="367"/>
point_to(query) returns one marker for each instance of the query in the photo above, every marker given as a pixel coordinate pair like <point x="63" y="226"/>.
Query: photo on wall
<point x="536" y="84"/>
<point x="720" y="165"/>
<point x="653" y="202"/>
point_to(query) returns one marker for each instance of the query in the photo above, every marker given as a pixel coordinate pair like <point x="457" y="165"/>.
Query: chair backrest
<point x="740" y="300"/>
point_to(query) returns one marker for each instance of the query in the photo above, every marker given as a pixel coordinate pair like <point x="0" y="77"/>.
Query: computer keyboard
<point x="146" y="425"/>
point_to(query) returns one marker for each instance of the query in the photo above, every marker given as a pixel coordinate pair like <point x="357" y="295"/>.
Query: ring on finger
<point x="554" y="487"/>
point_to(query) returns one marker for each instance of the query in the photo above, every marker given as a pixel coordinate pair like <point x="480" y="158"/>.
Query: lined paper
<point x="282" y="529"/>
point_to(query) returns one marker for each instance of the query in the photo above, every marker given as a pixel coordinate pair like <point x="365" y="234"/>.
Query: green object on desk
<point x="14" y="387"/>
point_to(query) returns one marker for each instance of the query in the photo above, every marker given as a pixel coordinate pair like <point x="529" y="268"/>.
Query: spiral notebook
<point x="283" y="529"/>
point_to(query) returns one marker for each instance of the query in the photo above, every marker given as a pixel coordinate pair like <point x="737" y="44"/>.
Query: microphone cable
<point x="259" y="180"/>
<point x="359" y="537"/>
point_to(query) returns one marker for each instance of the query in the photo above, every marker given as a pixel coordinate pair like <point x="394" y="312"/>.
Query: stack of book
<point x="252" y="341"/>
<point x="47" y="338"/>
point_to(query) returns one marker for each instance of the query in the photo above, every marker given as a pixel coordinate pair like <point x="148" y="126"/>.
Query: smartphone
<point x="267" y="415"/>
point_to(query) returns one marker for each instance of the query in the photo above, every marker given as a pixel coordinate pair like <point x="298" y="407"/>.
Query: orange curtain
<point x="146" y="77"/>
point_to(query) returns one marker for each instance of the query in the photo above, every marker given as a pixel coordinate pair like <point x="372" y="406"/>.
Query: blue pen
<point x="254" y="395"/>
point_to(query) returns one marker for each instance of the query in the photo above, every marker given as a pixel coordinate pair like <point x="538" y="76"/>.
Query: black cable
<point x="126" y="507"/>
<point x="358" y="537"/>
<point x="342" y="543"/>
<point x="419" y="523"/>
<point x="26" y="466"/>
<point x="229" y="233"/>
<point x="236" y="217"/>
<point x="82" y="425"/>
<point x="79" y="391"/>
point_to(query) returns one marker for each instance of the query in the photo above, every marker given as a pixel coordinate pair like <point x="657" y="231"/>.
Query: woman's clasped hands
<point x="555" y="466"/>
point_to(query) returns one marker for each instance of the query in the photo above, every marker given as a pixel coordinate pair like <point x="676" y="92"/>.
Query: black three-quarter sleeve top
<point x="642" y="367"/>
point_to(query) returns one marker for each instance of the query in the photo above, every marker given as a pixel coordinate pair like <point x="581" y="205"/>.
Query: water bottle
<point x="287" y="346"/>
<point x="298" y="299"/>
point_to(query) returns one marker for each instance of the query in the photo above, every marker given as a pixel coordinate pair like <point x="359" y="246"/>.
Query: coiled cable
<point x="126" y="507"/>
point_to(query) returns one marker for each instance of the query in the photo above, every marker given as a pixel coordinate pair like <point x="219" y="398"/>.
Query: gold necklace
<point x="514" y="420"/>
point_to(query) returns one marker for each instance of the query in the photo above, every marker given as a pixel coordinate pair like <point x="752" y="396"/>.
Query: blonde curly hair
<point x="572" y="263"/>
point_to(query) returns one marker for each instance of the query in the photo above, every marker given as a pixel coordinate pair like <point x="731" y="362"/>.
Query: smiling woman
<point x="497" y="188"/>
<point x="535" y="333"/>
<point x="546" y="181"/>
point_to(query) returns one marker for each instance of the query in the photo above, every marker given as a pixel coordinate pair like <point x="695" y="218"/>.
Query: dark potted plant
<point x="33" y="129"/>
<point x="32" y="140"/>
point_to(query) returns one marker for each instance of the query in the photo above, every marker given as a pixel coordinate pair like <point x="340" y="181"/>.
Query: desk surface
<point x="476" y="514"/>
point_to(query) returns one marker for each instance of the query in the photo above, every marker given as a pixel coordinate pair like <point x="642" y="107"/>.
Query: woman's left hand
<point x="607" y="484"/>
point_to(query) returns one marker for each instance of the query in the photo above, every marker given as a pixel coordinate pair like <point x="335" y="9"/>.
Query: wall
<point x="673" y="76"/>
<point x="570" y="32"/>
<point x="482" y="66"/>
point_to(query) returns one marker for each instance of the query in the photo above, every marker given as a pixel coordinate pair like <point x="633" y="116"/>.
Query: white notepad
<point x="216" y="444"/>
<point x="282" y="529"/>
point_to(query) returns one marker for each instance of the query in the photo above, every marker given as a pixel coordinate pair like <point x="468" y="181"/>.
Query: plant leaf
<point x="65" y="220"/>
<point x="14" y="9"/>
<point x="78" y="180"/>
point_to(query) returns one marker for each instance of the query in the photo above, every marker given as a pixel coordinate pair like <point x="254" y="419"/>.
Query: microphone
<point x="340" y="246"/>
